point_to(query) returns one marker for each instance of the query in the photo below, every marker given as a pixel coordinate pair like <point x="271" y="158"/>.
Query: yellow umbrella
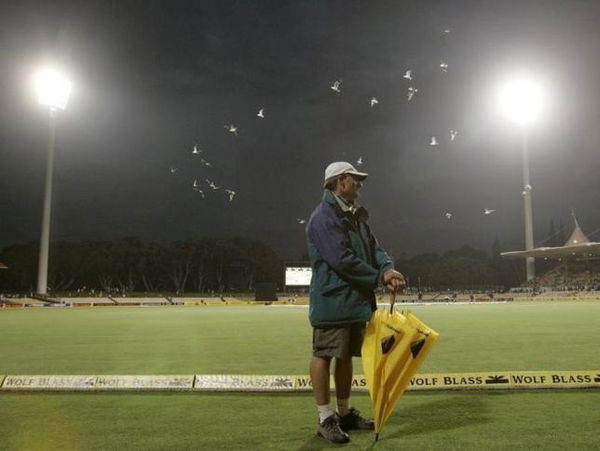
<point x="394" y="348"/>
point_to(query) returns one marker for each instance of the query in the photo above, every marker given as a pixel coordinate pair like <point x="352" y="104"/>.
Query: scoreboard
<point x="297" y="276"/>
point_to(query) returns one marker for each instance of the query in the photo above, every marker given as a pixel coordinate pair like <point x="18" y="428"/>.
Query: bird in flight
<point x="448" y="215"/>
<point x="232" y="129"/>
<point x="408" y="75"/>
<point x="487" y="211"/>
<point x="230" y="193"/>
<point x="374" y="102"/>
<point x="211" y="184"/>
<point x="453" y="134"/>
<point x="261" y="113"/>
<point x="359" y="162"/>
<point x="336" y="86"/>
<point x="434" y="141"/>
<point x="411" y="92"/>
<point x="444" y="66"/>
<point x="196" y="151"/>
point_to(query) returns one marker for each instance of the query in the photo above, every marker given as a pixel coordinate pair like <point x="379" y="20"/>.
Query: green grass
<point x="266" y="340"/>
<point x="562" y="420"/>
<point x="277" y="340"/>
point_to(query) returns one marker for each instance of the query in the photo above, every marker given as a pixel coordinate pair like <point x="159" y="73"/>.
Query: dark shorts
<point x="339" y="341"/>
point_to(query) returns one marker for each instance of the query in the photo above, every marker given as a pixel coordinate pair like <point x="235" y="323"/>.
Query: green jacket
<point x="347" y="263"/>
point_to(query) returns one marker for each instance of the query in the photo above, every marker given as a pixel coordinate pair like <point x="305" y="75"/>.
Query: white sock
<point x="324" y="412"/>
<point x="343" y="406"/>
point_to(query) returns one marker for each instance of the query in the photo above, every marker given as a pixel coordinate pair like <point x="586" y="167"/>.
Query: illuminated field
<point x="276" y="340"/>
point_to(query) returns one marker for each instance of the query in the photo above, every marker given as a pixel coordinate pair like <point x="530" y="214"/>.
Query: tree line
<point x="465" y="268"/>
<point x="129" y="265"/>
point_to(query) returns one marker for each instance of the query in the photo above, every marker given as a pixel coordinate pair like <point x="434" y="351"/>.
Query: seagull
<point x="201" y="192"/>
<point x="487" y="211"/>
<point x="411" y="92"/>
<point x="195" y="151"/>
<point x="528" y="187"/>
<point x="453" y="134"/>
<point x="173" y="170"/>
<point x="523" y="193"/>
<point x="231" y="193"/>
<point x="301" y="221"/>
<point x="374" y="102"/>
<point x="359" y="162"/>
<point x="408" y="75"/>
<point x="195" y="183"/>
<point x="444" y="66"/>
<point x="336" y="86"/>
<point x="232" y="128"/>
<point x="447" y="30"/>
<point x="434" y="141"/>
<point x="261" y="113"/>
<point x="206" y="163"/>
<point x="448" y="215"/>
<point x="211" y="184"/>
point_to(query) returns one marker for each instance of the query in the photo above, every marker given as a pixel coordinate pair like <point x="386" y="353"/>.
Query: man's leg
<point x="343" y="383"/>
<point x="319" y="374"/>
<point x="349" y="417"/>
<point x="343" y="377"/>
<point x="328" y="424"/>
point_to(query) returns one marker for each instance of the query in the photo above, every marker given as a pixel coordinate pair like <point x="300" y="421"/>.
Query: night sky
<point x="152" y="79"/>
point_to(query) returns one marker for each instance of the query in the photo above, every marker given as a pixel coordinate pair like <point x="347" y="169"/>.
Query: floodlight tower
<point x="521" y="101"/>
<point x="53" y="90"/>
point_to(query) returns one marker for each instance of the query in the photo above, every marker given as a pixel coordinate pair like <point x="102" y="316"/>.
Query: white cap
<point x="341" y="167"/>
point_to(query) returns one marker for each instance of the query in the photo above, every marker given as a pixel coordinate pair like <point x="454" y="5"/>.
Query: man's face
<point x="349" y="186"/>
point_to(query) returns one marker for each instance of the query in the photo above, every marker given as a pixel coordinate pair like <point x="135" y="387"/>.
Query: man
<point x="347" y="265"/>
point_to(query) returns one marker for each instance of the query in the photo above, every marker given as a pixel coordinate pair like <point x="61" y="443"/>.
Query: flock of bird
<point x="201" y="185"/>
<point x="198" y="185"/>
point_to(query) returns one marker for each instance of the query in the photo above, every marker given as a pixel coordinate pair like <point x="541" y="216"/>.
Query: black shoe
<point x="353" y="420"/>
<point x="330" y="429"/>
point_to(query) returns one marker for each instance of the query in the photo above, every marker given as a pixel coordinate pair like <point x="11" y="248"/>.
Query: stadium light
<point x="521" y="100"/>
<point x="53" y="90"/>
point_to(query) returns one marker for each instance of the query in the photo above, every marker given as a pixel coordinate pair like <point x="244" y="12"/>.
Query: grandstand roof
<point x="577" y="244"/>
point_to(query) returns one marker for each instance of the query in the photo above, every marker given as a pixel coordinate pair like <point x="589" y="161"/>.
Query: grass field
<point x="276" y="340"/>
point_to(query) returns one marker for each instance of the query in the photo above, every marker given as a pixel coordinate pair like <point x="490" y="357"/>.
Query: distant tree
<point x="22" y="260"/>
<point x="200" y="261"/>
<point x="456" y="271"/>
<point x="64" y="266"/>
<point x="178" y="257"/>
<point x="151" y="267"/>
<point x="418" y="268"/>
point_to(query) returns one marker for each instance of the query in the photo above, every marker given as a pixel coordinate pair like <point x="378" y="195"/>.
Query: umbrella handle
<point x="392" y="301"/>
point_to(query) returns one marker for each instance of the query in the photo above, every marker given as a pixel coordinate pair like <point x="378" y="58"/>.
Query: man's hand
<point x="393" y="280"/>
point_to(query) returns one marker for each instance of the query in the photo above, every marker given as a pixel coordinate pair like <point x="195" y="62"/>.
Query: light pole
<point x="521" y="101"/>
<point x="529" y="261"/>
<point x="53" y="91"/>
